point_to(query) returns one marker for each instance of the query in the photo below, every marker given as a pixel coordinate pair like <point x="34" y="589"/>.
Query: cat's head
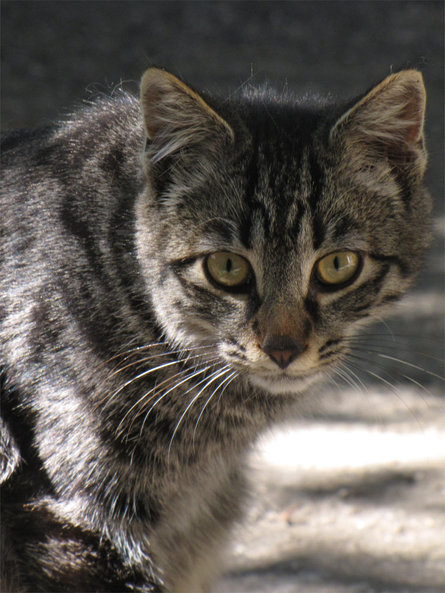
<point x="274" y="230"/>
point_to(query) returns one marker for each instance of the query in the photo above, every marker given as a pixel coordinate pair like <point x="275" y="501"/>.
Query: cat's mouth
<point x="284" y="382"/>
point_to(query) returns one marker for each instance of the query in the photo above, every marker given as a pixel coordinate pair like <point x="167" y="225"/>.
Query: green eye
<point x="228" y="270"/>
<point x="337" y="268"/>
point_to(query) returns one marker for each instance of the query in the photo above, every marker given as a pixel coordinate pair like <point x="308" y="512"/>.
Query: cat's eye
<point x="228" y="270"/>
<point x="338" y="269"/>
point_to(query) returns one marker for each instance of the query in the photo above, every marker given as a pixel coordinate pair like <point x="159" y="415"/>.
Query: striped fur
<point x="132" y="384"/>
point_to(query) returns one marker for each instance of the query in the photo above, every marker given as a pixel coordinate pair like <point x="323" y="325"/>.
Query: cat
<point x="176" y="271"/>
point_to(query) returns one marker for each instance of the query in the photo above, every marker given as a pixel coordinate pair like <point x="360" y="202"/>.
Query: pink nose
<point x="282" y="349"/>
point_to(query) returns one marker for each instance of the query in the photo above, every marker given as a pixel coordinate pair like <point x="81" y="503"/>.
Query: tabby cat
<point x="175" y="272"/>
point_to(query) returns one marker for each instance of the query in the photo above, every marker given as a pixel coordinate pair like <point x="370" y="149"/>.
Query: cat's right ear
<point x="177" y="119"/>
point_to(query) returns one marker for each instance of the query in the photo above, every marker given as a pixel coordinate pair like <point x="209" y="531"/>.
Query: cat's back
<point x="66" y="147"/>
<point x="84" y="160"/>
<point x="62" y="188"/>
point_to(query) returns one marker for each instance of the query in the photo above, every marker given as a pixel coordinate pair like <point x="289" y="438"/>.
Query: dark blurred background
<point x="56" y="53"/>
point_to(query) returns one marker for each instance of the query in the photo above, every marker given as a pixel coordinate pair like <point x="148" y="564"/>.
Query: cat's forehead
<point x="284" y="147"/>
<point x="281" y="189"/>
<point x="263" y="207"/>
<point x="282" y="178"/>
<point x="286" y="125"/>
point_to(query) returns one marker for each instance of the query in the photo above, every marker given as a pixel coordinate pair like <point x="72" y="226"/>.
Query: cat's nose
<point x="282" y="349"/>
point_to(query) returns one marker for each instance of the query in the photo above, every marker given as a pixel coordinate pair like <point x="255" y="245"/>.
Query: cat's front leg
<point x="54" y="555"/>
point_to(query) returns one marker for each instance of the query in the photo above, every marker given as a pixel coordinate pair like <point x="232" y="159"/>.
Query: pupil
<point x="336" y="263"/>
<point x="229" y="266"/>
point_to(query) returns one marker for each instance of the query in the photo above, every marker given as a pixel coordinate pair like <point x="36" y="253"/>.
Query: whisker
<point x="142" y="400"/>
<point x="366" y="349"/>
<point x="184" y="356"/>
<point x="140" y="376"/>
<point x="340" y="372"/>
<point x="399" y="374"/>
<point x="192" y="375"/>
<point x="366" y="337"/>
<point x="226" y="380"/>
<point x="350" y="377"/>
<point x="132" y="351"/>
<point x="156" y="356"/>
<point x="396" y="392"/>
<point x="384" y="340"/>
<point x="149" y="372"/>
<point x="410" y="364"/>
<point x="391" y="386"/>
<point x="333" y="371"/>
<point x="417" y="384"/>
<point x="387" y="326"/>
<point x="213" y="377"/>
<point x="154" y="390"/>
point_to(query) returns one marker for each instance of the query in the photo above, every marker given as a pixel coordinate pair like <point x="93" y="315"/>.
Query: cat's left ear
<point x="388" y="121"/>
<point x="177" y="119"/>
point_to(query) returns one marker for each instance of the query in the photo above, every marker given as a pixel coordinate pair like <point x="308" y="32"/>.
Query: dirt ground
<point x="353" y="503"/>
<point x="349" y="497"/>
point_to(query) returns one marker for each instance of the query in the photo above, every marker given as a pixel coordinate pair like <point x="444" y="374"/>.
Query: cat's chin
<point x="276" y="384"/>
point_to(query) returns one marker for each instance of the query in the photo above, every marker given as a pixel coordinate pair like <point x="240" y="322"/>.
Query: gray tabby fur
<point x="133" y="386"/>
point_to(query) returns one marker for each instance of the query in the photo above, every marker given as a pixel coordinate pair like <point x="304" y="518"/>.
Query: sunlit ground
<point x="353" y="503"/>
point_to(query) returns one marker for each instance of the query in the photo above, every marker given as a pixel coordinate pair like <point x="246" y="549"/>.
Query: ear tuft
<point x="175" y="117"/>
